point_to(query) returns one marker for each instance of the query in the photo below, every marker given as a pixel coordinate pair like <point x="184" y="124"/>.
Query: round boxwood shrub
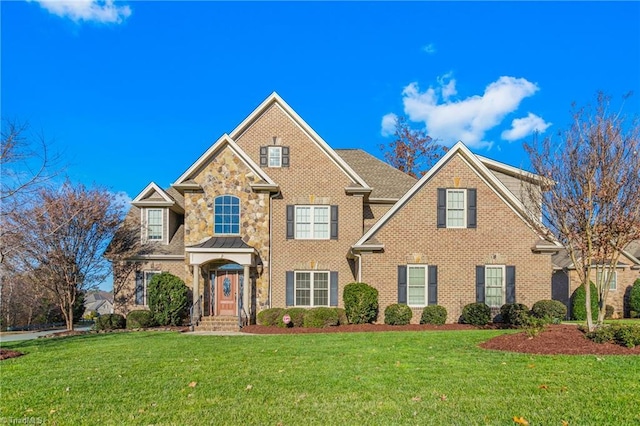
<point x="295" y="314"/>
<point x="578" y="299"/>
<point x="360" y="303"/>
<point x="514" y="314"/>
<point x="167" y="296"/>
<point x="634" y="299"/>
<point x="140" y="319"/>
<point x="109" y="322"/>
<point x="477" y="314"/>
<point x="321" y="317"/>
<point x="270" y="316"/>
<point x="397" y="314"/>
<point x="434" y="314"/>
<point x="553" y="310"/>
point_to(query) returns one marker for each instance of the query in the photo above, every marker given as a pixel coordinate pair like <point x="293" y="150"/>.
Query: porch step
<point x="218" y="323"/>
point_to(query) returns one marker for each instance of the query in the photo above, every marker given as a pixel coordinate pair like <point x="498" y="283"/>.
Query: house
<point x="100" y="302"/>
<point x="271" y="216"/>
<point x="565" y="280"/>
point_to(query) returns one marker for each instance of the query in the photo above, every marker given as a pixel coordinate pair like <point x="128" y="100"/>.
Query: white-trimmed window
<point x="312" y="288"/>
<point x="154" y="224"/>
<point x="274" y="154"/>
<point x="417" y="285"/>
<point x="312" y="222"/>
<point x="456" y="208"/>
<point x="613" y="285"/>
<point x="142" y="284"/>
<point x="226" y="215"/>
<point x="494" y="279"/>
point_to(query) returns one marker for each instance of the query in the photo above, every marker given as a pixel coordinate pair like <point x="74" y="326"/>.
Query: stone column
<point x="196" y="290"/>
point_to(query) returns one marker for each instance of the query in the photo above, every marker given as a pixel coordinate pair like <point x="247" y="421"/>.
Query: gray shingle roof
<point x="386" y="181"/>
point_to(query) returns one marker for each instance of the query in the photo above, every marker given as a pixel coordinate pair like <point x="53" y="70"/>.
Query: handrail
<point x="192" y="311"/>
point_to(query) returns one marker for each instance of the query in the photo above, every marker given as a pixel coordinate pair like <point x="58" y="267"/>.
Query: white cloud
<point x="102" y="11"/>
<point x="523" y="127"/>
<point x="429" y="48"/>
<point x="123" y="199"/>
<point x="468" y="119"/>
<point x="388" y="124"/>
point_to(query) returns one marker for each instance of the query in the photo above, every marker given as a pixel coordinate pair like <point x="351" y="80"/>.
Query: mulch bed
<point x="6" y="354"/>
<point x="554" y="340"/>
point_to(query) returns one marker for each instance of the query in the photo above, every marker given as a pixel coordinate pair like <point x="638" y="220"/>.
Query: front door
<point x="226" y="289"/>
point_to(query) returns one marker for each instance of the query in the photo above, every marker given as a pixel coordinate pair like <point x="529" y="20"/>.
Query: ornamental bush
<point x="270" y="316"/>
<point x="553" y="310"/>
<point x="622" y="334"/>
<point x="434" y="314"/>
<point x="360" y="303"/>
<point x="609" y="311"/>
<point x="342" y="316"/>
<point x="477" y="314"/>
<point x="514" y="314"/>
<point x="321" y="317"/>
<point x="167" y="298"/>
<point x="109" y="322"/>
<point x="634" y="298"/>
<point x="397" y="314"/>
<point x="140" y="319"/>
<point x="578" y="308"/>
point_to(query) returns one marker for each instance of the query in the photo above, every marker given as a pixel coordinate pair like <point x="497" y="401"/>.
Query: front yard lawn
<point x="337" y="378"/>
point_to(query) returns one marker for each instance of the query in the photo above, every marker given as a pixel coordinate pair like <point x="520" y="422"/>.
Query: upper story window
<point x="613" y="285"/>
<point x="154" y="224"/>
<point x="274" y="156"/>
<point x="457" y="208"/>
<point x="312" y="222"/>
<point x="226" y="215"/>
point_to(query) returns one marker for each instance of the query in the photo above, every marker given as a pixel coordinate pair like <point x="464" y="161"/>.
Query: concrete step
<point x="219" y="323"/>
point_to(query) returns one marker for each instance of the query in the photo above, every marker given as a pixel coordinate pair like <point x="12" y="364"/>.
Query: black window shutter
<point x="290" y="222"/>
<point x="334" y="222"/>
<point x="433" y="285"/>
<point x="472" y="217"/>
<point x="285" y="156"/>
<point x="442" y="208"/>
<point x="402" y="284"/>
<point x="480" y="284"/>
<point x="289" y="289"/>
<point x="511" y="284"/>
<point x="264" y="161"/>
<point x="333" y="288"/>
<point x="139" y="289"/>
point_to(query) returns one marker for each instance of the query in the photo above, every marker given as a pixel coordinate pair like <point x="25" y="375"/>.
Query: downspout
<point x="271" y="197"/>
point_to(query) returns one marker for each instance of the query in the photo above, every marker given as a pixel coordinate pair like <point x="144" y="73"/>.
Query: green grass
<point x="325" y="379"/>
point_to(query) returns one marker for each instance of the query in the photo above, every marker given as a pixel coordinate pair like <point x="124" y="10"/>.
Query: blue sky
<point x="132" y="92"/>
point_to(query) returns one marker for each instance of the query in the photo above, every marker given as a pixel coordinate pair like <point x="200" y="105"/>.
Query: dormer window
<point x="154" y="224"/>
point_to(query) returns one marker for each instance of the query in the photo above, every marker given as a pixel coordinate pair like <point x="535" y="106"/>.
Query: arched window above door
<point x="226" y="215"/>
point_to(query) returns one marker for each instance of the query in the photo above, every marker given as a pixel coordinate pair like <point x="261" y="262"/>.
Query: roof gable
<point x="274" y="100"/>
<point x="225" y="141"/>
<point x="477" y="166"/>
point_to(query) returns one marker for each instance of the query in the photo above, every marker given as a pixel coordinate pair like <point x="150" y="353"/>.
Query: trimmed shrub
<point x="109" y="322"/>
<point x="140" y="319"/>
<point x="360" y="303"/>
<point x="578" y="308"/>
<point x="622" y="334"/>
<point x="553" y="310"/>
<point x="533" y="326"/>
<point x="270" y="316"/>
<point x="296" y="315"/>
<point x="434" y="314"/>
<point x="477" y="314"/>
<point x="634" y="299"/>
<point x="397" y="314"/>
<point x="167" y="297"/>
<point x="514" y="314"/>
<point x="342" y="316"/>
<point x="321" y="317"/>
<point x="608" y="311"/>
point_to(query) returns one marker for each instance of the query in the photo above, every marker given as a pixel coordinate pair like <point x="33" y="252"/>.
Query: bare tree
<point x="412" y="151"/>
<point x="593" y="205"/>
<point x="69" y="230"/>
